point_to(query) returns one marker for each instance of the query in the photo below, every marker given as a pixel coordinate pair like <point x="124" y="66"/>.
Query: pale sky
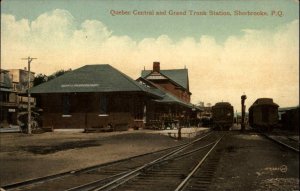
<point x="225" y="55"/>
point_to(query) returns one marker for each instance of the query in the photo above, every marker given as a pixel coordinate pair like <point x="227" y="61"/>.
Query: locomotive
<point x="222" y="116"/>
<point x="263" y="114"/>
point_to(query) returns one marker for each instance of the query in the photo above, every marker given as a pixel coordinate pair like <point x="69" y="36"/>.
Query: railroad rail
<point x="91" y="177"/>
<point x="197" y="167"/>
<point x="170" y="169"/>
<point x="285" y="141"/>
<point x="45" y="179"/>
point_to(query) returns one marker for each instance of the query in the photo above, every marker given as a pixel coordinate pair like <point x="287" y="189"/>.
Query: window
<point x="103" y="105"/>
<point x="66" y="105"/>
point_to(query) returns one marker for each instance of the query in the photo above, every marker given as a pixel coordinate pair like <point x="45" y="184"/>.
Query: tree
<point x="57" y="74"/>
<point x="39" y="79"/>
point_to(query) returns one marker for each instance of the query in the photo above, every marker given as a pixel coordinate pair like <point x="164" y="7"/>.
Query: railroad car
<point x="222" y="116"/>
<point x="290" y="118"/>
<point x="263" y="114"/>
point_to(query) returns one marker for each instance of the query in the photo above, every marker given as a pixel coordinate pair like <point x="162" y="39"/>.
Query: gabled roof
<point x="91" y="78"/>
<point x="180" y="76"/>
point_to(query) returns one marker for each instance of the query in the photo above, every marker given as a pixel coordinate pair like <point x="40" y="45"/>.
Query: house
<point x="93" y="97"/>
<point x="19" y="78"/>
<point x="8" y="101"/>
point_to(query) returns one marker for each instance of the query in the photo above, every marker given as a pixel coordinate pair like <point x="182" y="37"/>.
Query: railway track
<point x="284" y="140"/>
<point x="94" y="178"/>
<point x="173" y="172"/>
<point x="58" y="181"/>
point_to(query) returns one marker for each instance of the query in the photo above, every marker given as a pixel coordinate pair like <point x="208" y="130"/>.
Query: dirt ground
<point x="247" y="161"/>
<point x="24" y="157"/>
<point x="251" y="162"/>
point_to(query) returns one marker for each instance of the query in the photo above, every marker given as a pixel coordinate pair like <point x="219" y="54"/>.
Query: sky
<point x="226" y="55"/>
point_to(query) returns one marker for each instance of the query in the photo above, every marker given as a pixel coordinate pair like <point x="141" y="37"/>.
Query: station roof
<point x="169" y="98"/>
<point x="92" y="78"/>
<point x="180" y="76"/>
<point x="165" y="96"/>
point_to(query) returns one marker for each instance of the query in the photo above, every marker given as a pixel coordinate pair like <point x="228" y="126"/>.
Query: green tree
<point x="39" y="79"/>
<point x="57" y="74"/>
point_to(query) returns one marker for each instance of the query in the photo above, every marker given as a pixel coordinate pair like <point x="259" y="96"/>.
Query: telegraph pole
<point x="29" y="60"/>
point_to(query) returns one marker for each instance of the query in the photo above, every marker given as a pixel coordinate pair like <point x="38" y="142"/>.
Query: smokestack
<point x="156" y="66"/>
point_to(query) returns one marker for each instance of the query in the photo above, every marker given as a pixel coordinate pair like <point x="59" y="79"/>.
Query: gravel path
<point x="251" y="162"/>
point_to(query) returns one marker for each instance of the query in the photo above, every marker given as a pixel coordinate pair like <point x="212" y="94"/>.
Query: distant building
<point x="8" y="101"/>
<point x="19" y="79"/>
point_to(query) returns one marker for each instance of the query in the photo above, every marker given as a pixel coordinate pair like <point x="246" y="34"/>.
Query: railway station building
<point x="93" y="97"/>
<point x="99" y="98"/>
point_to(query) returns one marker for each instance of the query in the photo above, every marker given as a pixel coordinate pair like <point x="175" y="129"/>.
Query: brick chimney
<point x="156" y="66"/>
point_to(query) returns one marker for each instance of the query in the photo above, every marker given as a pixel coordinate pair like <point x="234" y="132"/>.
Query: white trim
<point x="69" y="130"/>
<point x="103" y="115"/>
<point x="66" y="115"/>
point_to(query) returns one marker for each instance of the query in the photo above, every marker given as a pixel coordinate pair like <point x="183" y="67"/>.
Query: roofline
<point x="153" y="84"/>
<point x="151" y="71"/>
<point x="104" y="92"/>
<point x="179" y="102"/>
<point x="132" y="82"/>
<point x="176" y="102"/>
<point x="21" y="70"/>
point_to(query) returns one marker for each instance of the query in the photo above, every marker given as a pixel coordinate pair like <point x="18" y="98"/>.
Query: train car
<point x="222" y="116"/>
<point x="263" y="114"/>
<point x="290" y="118"/>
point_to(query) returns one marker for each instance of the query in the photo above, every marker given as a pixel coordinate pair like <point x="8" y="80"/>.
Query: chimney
<point x="156" y="66"/>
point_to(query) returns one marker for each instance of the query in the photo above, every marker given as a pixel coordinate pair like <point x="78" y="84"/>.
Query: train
<point x="263" y="114"/>
<point x="222" y="116"/>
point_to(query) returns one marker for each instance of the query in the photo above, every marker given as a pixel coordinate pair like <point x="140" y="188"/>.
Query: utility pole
<point x="28" y="95"/>
<point x="243" y="98"/>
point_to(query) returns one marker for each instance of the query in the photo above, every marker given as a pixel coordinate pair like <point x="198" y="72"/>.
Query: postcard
<point x="95" y="82"/>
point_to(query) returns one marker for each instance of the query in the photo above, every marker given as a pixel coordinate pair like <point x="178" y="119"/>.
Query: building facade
<point x="8" y="101"/>
<point x="93" y="97"/>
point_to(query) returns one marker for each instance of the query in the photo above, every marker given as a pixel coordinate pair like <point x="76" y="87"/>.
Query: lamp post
<point x="28" y="95"/>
